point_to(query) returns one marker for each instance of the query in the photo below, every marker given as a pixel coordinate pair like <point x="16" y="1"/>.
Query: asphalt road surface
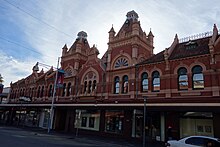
<point x="21" y="137"/>
<point x="16" y="137"/>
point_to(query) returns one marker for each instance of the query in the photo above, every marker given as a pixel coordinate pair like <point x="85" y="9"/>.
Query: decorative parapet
<point x="197" y="36"/>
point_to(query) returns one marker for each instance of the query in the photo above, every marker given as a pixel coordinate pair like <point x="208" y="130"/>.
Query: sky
<point x="36" y="30"/>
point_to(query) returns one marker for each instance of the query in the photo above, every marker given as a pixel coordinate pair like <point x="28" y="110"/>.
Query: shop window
<point x="182" y="79"/>
<point x="197" y="77"/>
<point x="114" y="121"/>
<point x="84" y="122"/>
<point x="87" y="119"/>
<point x="125" y="84"/>
<point x="64" y="89"/>
<point x="116" y="85"/>
<point x="155" y="81"/>
<point x="68" y="89"/>
<point x="144" y="82"/>
<point x="91" y="122"/>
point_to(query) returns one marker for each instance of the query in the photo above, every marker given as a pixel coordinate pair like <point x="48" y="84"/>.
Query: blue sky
<point x="36" y="30"/>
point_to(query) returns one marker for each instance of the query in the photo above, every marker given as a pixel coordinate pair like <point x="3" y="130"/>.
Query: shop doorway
<point x="152" y="127"/>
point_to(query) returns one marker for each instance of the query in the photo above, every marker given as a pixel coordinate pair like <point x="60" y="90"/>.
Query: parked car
<point x="194" y="141"/>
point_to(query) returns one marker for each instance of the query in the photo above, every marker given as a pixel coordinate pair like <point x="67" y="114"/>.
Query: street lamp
<point x="36" y="68"/>
<point x="144" y="131"/>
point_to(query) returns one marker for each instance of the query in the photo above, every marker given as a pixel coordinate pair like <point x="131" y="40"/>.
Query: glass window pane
<point x="198" y="84"/>
<point x="182" y="71"/>
<point x="183" y="78"/>
<point x="197" y="69"/>
<point x="156" y="81"/>
<point x="197" y="77"/>
<point x="183" y="85"/>
<point x="145" y="85"/>
<point x="156" y="87"/>
<point x="114" y="121"/>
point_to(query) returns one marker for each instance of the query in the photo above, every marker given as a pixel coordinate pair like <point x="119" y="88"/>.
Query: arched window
<point x="121" y="62"/>
<point x="23" y="94"/>
<point x="125" y="84"/>
<point x="155" y="81"/>
<point x="68" y="89"/>
<point x="38" y="92"/>
<point x="42" y="91"/>
<point x="50" y="92"/>
<point x="85" y="86"/>
<point x="20" y="94"/>
<point x="144" y="82"/>
<point x="90" y="81"/>
<point x="29" y="92"/>
<point x="32" y="92"/>
<point x="197" y="77"/>
<point x="182" y="79"/>
<point x="64" y="89"/>
<point x="94" y="85"/>
<point x="116" y="85"/>
<point x="90" y="87"/>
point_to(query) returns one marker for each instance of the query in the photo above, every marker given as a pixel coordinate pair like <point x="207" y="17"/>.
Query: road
<point x="21" y="137"/>
<point x="17" y="137"/>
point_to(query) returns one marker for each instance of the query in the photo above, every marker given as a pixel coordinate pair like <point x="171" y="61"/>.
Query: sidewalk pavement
<point x="90" y="138"/>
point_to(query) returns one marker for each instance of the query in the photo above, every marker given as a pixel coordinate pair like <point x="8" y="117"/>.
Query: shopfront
<point x="152" y="126"/>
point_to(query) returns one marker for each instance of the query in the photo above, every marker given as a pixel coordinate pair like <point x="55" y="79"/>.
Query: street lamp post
<point x="144" y="131"/>
<point x="52" y="102"/>
<point x="50" y="122"/>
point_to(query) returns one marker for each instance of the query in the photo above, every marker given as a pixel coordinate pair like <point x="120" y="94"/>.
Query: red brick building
<point x="106" y="96"/>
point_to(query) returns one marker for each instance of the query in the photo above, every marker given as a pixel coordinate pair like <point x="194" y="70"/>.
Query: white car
<point x="194" y="141"/>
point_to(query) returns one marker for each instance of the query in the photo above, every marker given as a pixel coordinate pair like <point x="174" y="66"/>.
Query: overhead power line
<point x="23" y="46"/>
<point x="38" y="19"/>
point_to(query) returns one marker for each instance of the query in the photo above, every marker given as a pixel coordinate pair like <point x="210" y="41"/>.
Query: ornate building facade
<point x="106" y="96"/>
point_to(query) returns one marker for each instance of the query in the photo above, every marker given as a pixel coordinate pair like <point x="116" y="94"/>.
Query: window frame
<point x="144" y="76"/>
<point x="182" y="71"/>
<point x="197" y="71"/>
<point x="155" y="76"/>
<point x="116" y="85"/>
<point x="125" y="84"/>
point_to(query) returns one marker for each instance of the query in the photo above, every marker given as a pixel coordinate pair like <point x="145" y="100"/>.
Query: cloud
<point x="13" y="69"/>
<point x="51" y="24"/>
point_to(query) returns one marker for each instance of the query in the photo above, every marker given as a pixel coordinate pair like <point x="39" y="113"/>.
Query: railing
<point x="197" y="36"/>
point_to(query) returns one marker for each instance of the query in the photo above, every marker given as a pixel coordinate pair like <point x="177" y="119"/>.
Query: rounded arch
<point x="195" y="64"/>
<point x="69" y="71"/>
<point x="90" y="71"/>
<point x="121" y="55"/>
<point x="180" y="66"/>
<point x="153" y="70"/>
<point x="142" y="71"/>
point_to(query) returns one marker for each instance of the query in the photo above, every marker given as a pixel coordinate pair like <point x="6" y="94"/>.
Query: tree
<point x="1" y="79"/>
